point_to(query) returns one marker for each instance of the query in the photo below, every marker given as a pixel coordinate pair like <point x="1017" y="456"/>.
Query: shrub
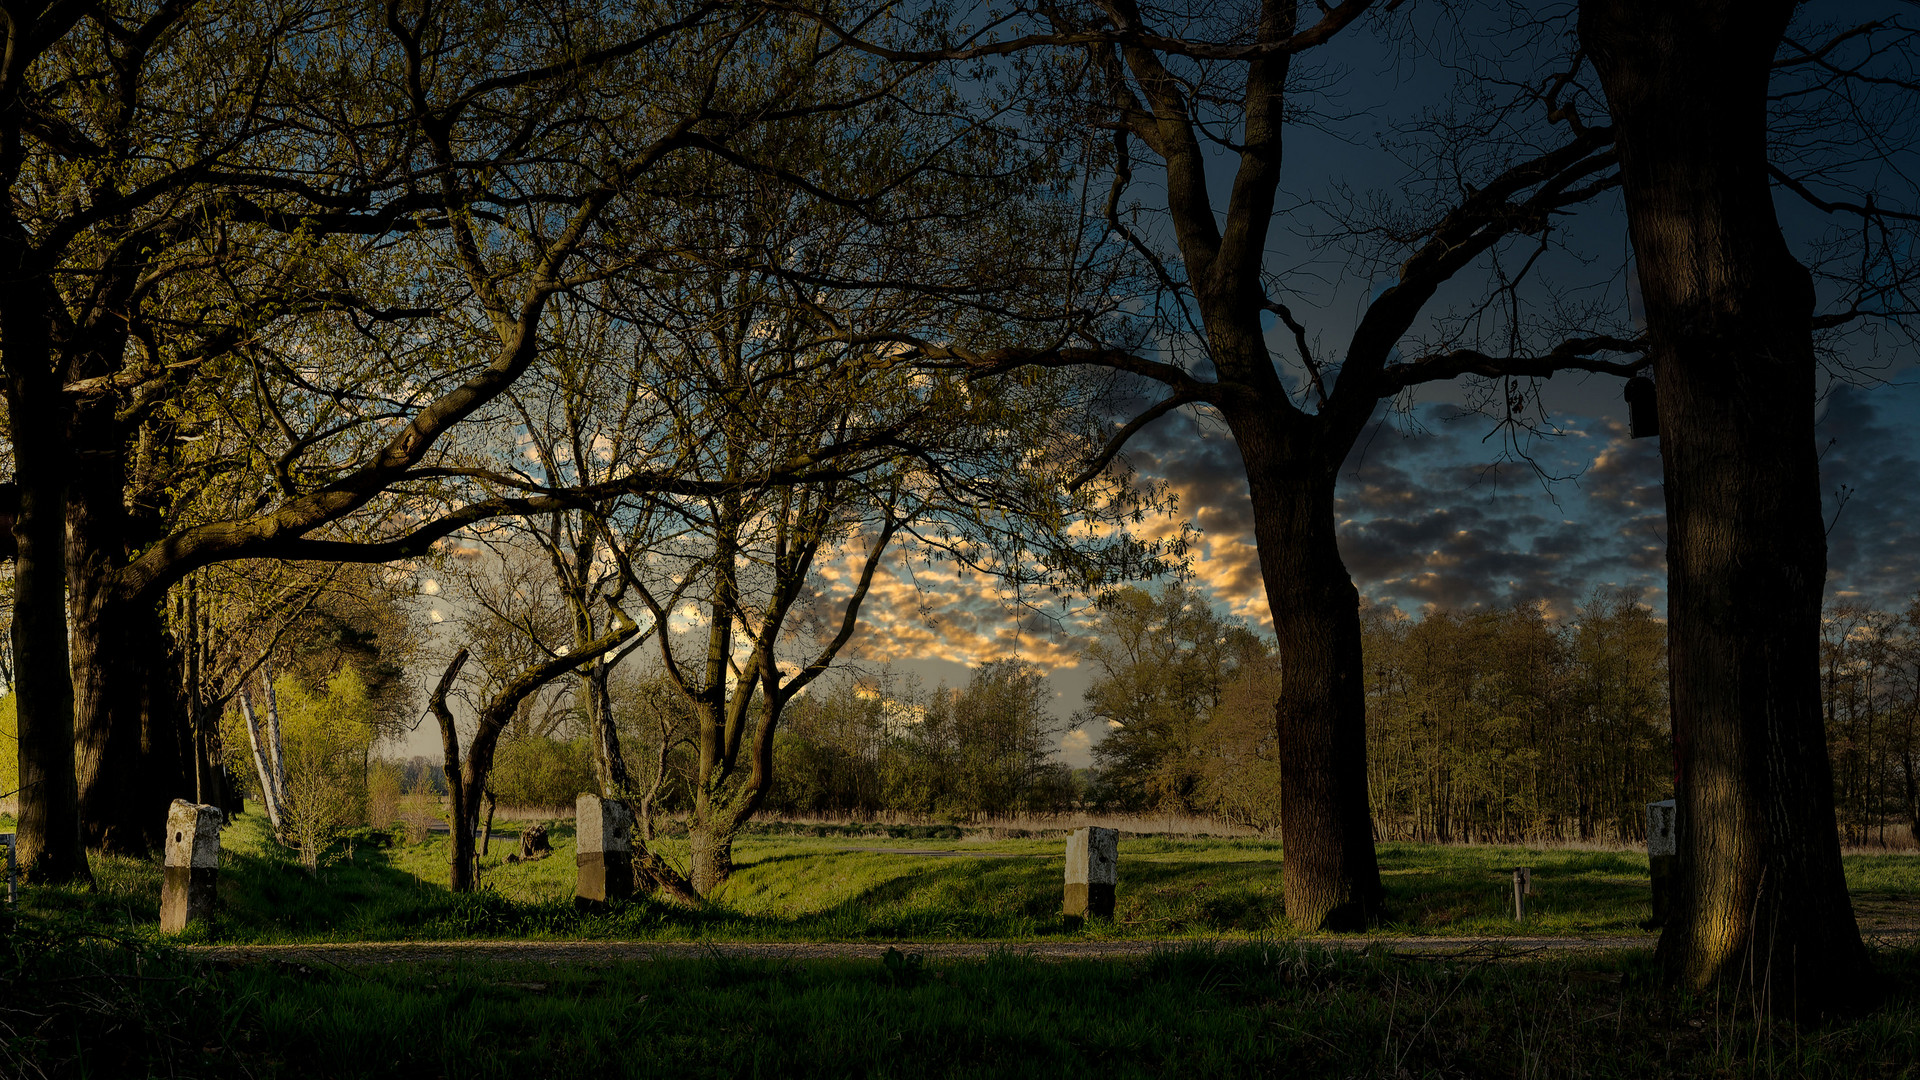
<point x="537" y="771"/>
<point x="384" y="781"/>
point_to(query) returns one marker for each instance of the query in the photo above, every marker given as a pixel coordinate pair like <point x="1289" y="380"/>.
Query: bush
<point x="385" y="780"/>
<point x="537" y="771"/>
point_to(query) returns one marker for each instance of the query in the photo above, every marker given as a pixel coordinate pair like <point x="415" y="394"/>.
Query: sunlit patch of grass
<point x="794" y="885"/>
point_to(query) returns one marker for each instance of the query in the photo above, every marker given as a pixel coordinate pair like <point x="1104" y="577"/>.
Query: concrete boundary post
<point x="603" y="852"/>
<point x="13" y="866"/>
<point x="192" y="864"/>
<point x="1663" y="853"/>
<point x="1093" y="863"/>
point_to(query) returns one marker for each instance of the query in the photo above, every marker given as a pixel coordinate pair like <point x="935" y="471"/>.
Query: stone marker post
<point x="1663" y="851"/>
<point x="603" y="853"/>
<point x="13" y="867"/>
<point x="193" y="864"/>
<point x="1093" y="863"/>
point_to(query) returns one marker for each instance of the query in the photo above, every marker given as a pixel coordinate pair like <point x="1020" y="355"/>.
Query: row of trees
<point x="1495" y="726"/>
<point x="988" y="748"/>
<point x="1499" y="725"/>
<point x="1870" y="681"/>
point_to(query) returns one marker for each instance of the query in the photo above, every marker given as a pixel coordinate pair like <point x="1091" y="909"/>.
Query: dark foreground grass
<point x="71" y="1009"/>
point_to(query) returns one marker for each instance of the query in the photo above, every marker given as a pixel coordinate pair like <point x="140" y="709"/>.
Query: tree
<point x="1502" y="725"/>
<point x="1197" y="86"/>
<point x="328" y="258"/>
<point x="327" y="736"/>
<point x="467" y="780"/>
<point x="995" y="740"/>
<point x="1163" y="666"/>
<point x="1730" y="316"/>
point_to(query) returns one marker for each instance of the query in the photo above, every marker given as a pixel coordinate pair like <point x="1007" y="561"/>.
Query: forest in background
<point x="1502" y="725"/>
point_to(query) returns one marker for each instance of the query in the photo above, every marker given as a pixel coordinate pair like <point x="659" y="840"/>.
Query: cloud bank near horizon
<point x="1431" y="516"/>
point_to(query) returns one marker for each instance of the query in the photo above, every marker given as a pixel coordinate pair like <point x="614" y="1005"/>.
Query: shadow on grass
<point x="1255" y="1009"/>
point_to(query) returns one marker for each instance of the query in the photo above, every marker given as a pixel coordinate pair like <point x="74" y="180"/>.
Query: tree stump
<point x="534" y="843"/>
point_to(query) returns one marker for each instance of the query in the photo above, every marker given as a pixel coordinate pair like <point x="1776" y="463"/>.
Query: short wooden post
<point x="1663" y="852"/>
<point x="603" y="852"/>
<point x="1522" y="888"/>
<point x="1093" y="863"/>
<point x="192" y="864"/>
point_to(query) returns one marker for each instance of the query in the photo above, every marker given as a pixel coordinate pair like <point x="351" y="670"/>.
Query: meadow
<point x="88" y="987"/>
<point x="904" y="883"/>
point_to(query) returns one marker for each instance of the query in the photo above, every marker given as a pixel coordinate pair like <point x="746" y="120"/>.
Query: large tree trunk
<point x="136" y="753"/>
<point x="1760" y="895"/>
<point x="49" y="819"/>
<point x="1331" y="876"/>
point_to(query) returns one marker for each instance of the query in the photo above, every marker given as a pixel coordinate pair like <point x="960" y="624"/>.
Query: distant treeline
<point x="1870" y="673"/>
<point x="1501" y="726"/>
<point x="959" y="754"/>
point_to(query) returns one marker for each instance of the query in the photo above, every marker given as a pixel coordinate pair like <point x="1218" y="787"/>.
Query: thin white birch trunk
<point x="269" y="791"/>
<point x="273" y="731"/>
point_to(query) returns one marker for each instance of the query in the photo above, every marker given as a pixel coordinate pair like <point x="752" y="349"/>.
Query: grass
<point x="794" y="885"/>
<point x="87" y="988"/>
<point x="1257" y="1008"/>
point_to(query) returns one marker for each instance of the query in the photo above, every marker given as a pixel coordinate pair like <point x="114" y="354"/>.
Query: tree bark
<point x="49" y="820"/>
<point x="135" y="751"/>
<point x="1330" y="874"/>
<point x="712" y="856"/>
<point x="460" y="841"/>
<point x="1760" y="897"/>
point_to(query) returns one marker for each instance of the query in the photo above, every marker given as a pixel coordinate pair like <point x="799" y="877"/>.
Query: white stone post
<point x="603" y="851"/>
<point x="1093" y="863"/>
<point x="192" y="864"/>
<point x="1663" y="856"/>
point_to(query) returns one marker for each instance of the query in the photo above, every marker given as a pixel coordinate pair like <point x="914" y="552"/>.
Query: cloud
<point x="1870" y="459"/>
<point x="1428" y="515"/>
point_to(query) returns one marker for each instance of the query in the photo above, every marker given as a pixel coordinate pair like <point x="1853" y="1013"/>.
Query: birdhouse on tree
<point x="1643" y="416"/>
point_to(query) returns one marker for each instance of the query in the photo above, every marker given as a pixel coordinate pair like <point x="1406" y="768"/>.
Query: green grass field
<point x="846" y="887"/>
<point x="88" y="988"/>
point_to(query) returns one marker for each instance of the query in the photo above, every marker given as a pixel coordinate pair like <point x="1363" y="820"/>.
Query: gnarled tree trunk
<point x="1760" y="897"/>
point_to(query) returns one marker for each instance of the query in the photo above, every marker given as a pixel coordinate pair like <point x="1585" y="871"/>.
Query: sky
<point x="1429" y="516"/>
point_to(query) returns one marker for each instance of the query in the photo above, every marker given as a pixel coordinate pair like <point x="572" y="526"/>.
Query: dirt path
<point x="593" y="953"/>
